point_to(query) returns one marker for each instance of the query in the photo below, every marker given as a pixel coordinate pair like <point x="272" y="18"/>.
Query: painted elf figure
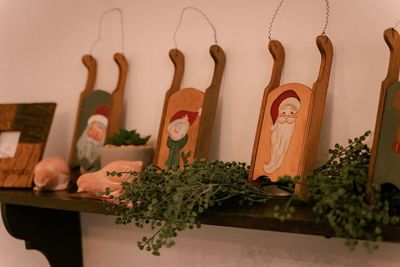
<point x="396" y="105"/>
<point x="178" y="128"/>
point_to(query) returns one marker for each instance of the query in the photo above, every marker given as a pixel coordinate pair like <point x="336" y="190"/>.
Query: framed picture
<point x="385" y="155"/>
<point x="188" y="116"/>
<point x="99" y="115"/>
<point x="23" y="134"/>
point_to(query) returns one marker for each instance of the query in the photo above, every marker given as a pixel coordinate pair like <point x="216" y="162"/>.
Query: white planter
<point x="110" y="154"/>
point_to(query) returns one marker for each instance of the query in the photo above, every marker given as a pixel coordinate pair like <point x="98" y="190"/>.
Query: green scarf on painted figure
<point x="175" y="147"/>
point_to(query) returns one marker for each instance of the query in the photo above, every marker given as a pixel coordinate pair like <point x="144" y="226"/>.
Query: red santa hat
<point x="100" y="115"/>
<point x="185" y="116"/>
<point x="288" y="97"/>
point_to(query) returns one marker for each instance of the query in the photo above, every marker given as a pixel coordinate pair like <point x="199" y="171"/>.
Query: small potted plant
<point x="126" y="145"/>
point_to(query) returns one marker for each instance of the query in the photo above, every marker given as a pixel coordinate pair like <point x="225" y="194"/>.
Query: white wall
<point x="41" y="46"/>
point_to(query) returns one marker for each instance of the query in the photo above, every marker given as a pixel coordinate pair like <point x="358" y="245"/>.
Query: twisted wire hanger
<point x="325" y="26"/>
<point x="201" y="13"/>
<point x="99" y="37"/>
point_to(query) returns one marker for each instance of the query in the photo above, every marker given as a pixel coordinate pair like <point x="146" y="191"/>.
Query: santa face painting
<point x="91" y="140"/>
<point x="178" y="135"/>
<point x="283" y="113"/>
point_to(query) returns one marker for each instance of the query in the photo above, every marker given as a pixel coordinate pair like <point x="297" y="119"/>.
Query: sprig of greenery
<point x="125" y="138"/>
<point x="338" y="191"/>
<point x="171" y="200"/>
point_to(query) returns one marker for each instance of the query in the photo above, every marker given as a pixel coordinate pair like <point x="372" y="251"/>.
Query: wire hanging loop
<point x="99" y="37"/>
<point x="180" y="23"/>
<point x="326" y="22"/>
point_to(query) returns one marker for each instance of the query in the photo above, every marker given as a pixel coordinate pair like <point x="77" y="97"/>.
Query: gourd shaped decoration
<point x="385" y="155"/>
<point x="98" y="116"/>
<point x="290" y="119"/>
<point x="188" y="114"/>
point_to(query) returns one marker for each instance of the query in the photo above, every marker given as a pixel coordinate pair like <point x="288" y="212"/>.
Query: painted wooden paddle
<point x="188" y="115"/>
<point x="290" y="119"/>
<point x="385" y="154"/>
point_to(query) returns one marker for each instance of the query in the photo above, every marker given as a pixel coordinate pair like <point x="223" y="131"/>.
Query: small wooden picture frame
<point x="290" y="119"/>
<point x="385" y="155"/>
<point x="23" y="134"/>
<point x="98" y="116"/>
<point x="188" y="115"/>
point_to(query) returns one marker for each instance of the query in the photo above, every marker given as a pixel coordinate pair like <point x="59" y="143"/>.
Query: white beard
<point x="88" y="148"/>
<point x="280" y="140"/>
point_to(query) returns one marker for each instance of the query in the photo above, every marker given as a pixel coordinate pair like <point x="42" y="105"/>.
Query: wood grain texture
<point x="18" y="171"/>
<point x="91" y="65"/>
<point x="115" y="108"/>
<point x="7" y="113"/>
<point x="317" y="107"/>
<point x="33" y="121"/>
<point x="305" y="160"/>
<point x="210" y="104"/>
<point x="392" y="39"/>
<point x="208" y="108"/>
<point x="118" y="95"/>
<point x="178" y="59"/>
<point x="278" y="54"/>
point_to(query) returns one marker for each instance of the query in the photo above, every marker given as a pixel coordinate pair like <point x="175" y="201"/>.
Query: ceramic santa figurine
<point x="95" y="182"/>
<point x="51" y="174"/>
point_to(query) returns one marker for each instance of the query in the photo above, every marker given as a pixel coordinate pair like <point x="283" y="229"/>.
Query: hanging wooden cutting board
<point x="385" y="155"/>
<point x="193" y="109"/>
<point x="290" y="119"/>
<point x="92" y="100"/>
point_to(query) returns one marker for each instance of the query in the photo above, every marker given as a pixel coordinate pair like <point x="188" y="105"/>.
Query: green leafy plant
<point x="338" y="191"/>
<point x="171" y="200"/>
<point x="125" y="138"/>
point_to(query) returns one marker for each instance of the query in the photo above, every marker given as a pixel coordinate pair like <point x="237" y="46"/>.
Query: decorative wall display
<point x="27" y="127"/>
<point x="290" y="119"/>
<point x="99" y="114"/>
<point x="188" y="114"/>
<point x="385" y="154"/>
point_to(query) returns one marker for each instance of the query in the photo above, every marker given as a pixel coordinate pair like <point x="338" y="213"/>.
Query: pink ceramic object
<point x="95" y="182"/>
<point x="51" y="174"/>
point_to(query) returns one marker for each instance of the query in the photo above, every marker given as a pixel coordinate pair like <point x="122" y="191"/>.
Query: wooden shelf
<point x="26" y="211"/>
<point x="259" y="217"/>
<point x="59" y="200"/>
